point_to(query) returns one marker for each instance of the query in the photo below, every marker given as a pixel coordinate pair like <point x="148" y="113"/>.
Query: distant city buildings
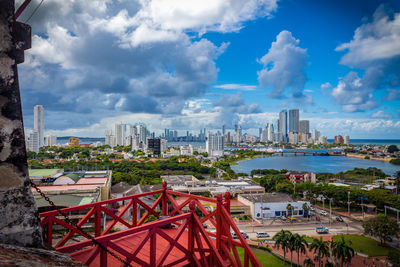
<point x="338" y="139"/>
<point x="347" y="140"/>
<point x="51" y="140"/>
<point x="38" y="123"/>
<point x="294" y="116"/>
<point x="215" y="144"/>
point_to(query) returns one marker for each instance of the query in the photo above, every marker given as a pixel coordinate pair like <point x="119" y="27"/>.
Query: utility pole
<point x="19" y="224"/>
<point x="348" y="202"/>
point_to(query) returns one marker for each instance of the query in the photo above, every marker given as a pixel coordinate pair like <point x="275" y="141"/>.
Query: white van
<point x="262" y="234"/>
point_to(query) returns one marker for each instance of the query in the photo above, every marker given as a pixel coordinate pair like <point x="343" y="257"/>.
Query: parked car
<point x="234" y="236"/>
<point x="339" y="219"/>
<point x="283" y="217"/>
<point x="324" y="213"/>
<point x="291" y="218"/>
<point x="262" y="234"/>
<point x="388" y="238"/>
<point x="322" y="230"/>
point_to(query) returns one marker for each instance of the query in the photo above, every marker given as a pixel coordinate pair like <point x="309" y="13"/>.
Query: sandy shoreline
<point x="360" y="156"/>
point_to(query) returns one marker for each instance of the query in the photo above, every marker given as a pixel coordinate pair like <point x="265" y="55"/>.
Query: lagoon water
<point x="332" y="164"/>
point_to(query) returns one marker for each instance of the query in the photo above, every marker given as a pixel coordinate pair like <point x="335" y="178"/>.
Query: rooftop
<point x="64" y="200"/>
<point x="43" y="172"/>
<point x="269" y="197"/>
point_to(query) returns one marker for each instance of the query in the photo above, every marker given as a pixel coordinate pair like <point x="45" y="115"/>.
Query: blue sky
<point x="194" y="64"/>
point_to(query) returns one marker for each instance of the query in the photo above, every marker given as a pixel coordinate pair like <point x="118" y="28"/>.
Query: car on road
<point x="283" y="217"/>
<point x="339" y="218"/>
<point x="388" y="238"/>
<point x="322" y="230"/>
<point x="234" y="236"/>
<point x="262" y="234"/>
<point x="324" y="213"/>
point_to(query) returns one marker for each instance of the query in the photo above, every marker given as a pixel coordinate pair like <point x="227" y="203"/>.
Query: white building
<point x="264" y="135"/>
<point x="38" y="123"/>
<point x="51" y="140"/>
<point x="215" y="144"/>
<point x="271" y="205"/>
<point x="142" y="132"/>
<point x="347" y="140"/>
<point x="164" y="145"/>
<point x="135" y="142"/>
<point x="119" y="134"/>
<point x="323" y="140"/>
<point x="33" y="141"/>
<point x="293" y="138"/>
<point x="315" y="135"/>
<point x="271" y="133"/>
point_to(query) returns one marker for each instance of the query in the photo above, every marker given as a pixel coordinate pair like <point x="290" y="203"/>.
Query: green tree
<point x="282" y="241"/>
<point x="392" y="149"/>
<point x="342" y="251"/>
<point x="320" y="248"/>
<point x="289" y="209"/>
<point x="308" y="263"/>
<point x="300" y="244"/>
<point x="380" y="227"/>
<point x="306" y="209"/>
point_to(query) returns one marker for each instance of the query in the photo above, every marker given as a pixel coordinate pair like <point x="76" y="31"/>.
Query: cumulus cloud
<point x="375" y="49"/>
<point x="352" y="94"/>
<point x="284" y="66"/>
<point x="381" y="115"/>
<point x="393" y="94"/>
<point x="103" y="57"/>
<point x="235" y="86"/>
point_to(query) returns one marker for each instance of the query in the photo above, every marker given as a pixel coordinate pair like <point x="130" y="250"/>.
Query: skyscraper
<point x="215" y="144"/>
<point x="304" y="126"/>
<point x="119" y="134"/>
<point x="38" y="123"/>
<point x="294" y="117"/>
<point x="283" y="124"/>
<point x="271" y="136"/>
<point x="51" y="140"/>
<point x="223" y="129"/>
<point x="142" y="132"/>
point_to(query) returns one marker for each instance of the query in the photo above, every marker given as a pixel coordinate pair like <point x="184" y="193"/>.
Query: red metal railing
<point x="201" y="249"/>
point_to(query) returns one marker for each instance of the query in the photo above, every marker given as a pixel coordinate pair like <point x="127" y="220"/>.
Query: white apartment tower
<point x="119" y="134"/>
<point x="142" y="132"/>
<point x="271" y="137"/>
<point x="215" y="144"/>
<point x="33" y="141"/>
<point x="38" y="123"/>
<point x="51" y="140"/>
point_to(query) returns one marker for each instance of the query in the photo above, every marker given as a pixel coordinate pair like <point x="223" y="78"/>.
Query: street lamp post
<point x="348" y="202"/>
<point x="330" y="212"/>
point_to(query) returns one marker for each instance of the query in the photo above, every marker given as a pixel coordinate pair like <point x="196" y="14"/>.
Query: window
<point x="258" y="215"/>
<point x="300" y="212"/>
<point x="277" y="213"/>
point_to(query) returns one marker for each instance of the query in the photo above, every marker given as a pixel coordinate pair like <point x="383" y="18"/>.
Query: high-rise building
<point x="38" y="123"/>
<point x="237" y="136"/>
<point x="293" y="138"/>
<point x="154" y="146"/>
<point x="119" y="134"/>
<point x="315" y="135"/>
<point x="51" y="140"/>
<point x="283" y="123"/>
<point x="264" y="134"/>
<point x="223" y="129"/>
<point x="304" y="126"/>
<point x="294" y="117"/>
<point x="33" y="141"/>
<point x="347" y="140"/>
<point x="142" y="131"/>
<point x="323" y="140"/>
<point x="338" y="139"/>
<point x="215" y="144"/>
<point x="271" y="136"/>
<point x="132" y="130"/>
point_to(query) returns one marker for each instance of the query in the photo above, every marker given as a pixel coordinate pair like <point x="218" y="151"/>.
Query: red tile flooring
<point x="131" y="242"/>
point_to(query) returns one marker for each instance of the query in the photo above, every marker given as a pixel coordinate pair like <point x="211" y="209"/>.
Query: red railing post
<point x="97" y="222"/>
<point x="227" y="203"/>
<point x="191" y="225"/>
<point x="50" y="231"/>
<point x="219" y="221"/>
<point x="164" y="200"/>
<point x="134" y="213"/>
<point x="103" y="257"/>
<point x="153" y="248"/>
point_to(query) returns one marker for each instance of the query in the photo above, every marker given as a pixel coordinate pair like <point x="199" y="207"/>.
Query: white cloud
<point x="326" y="85"/>
<point x="284" y="66"/>
<point x="375" y="50"/>
<point x="308" y="91"/>
<point x="381" y="115"/>
<point x="373" y="41"/>
<point x="235" y="86"/>
<point x="393" y="94"/>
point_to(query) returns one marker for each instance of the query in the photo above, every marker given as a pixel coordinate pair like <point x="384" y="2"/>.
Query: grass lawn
<point x="265" y="258"/>
<point x="367" y="245"/>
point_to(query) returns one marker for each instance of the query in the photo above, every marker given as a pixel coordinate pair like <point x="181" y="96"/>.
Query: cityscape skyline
<point x="317" y="65"/>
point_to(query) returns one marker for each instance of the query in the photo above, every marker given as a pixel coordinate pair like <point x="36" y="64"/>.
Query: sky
<point x="189" y="65"/>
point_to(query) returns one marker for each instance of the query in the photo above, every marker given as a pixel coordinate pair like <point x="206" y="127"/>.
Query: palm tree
<point x="300" y="244"/>
<point x="306" y="209"/>
<point x="342" y="251"/>
<point x="281" y="240"/>
<point x="291" y="245"/>
<point x="321" y="249"/>
<point x="308" y="263"/>
<point x="289" y="209"/>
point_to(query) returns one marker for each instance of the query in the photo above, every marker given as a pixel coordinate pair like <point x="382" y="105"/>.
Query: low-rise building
<point x="272" y="205"/>
<point x="300" y="177"/>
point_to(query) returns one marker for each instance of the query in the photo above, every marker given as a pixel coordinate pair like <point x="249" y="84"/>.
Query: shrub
<point x="366" y="157"/>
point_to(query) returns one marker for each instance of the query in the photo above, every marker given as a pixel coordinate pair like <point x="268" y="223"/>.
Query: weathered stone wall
<point x="19" y="222"/>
